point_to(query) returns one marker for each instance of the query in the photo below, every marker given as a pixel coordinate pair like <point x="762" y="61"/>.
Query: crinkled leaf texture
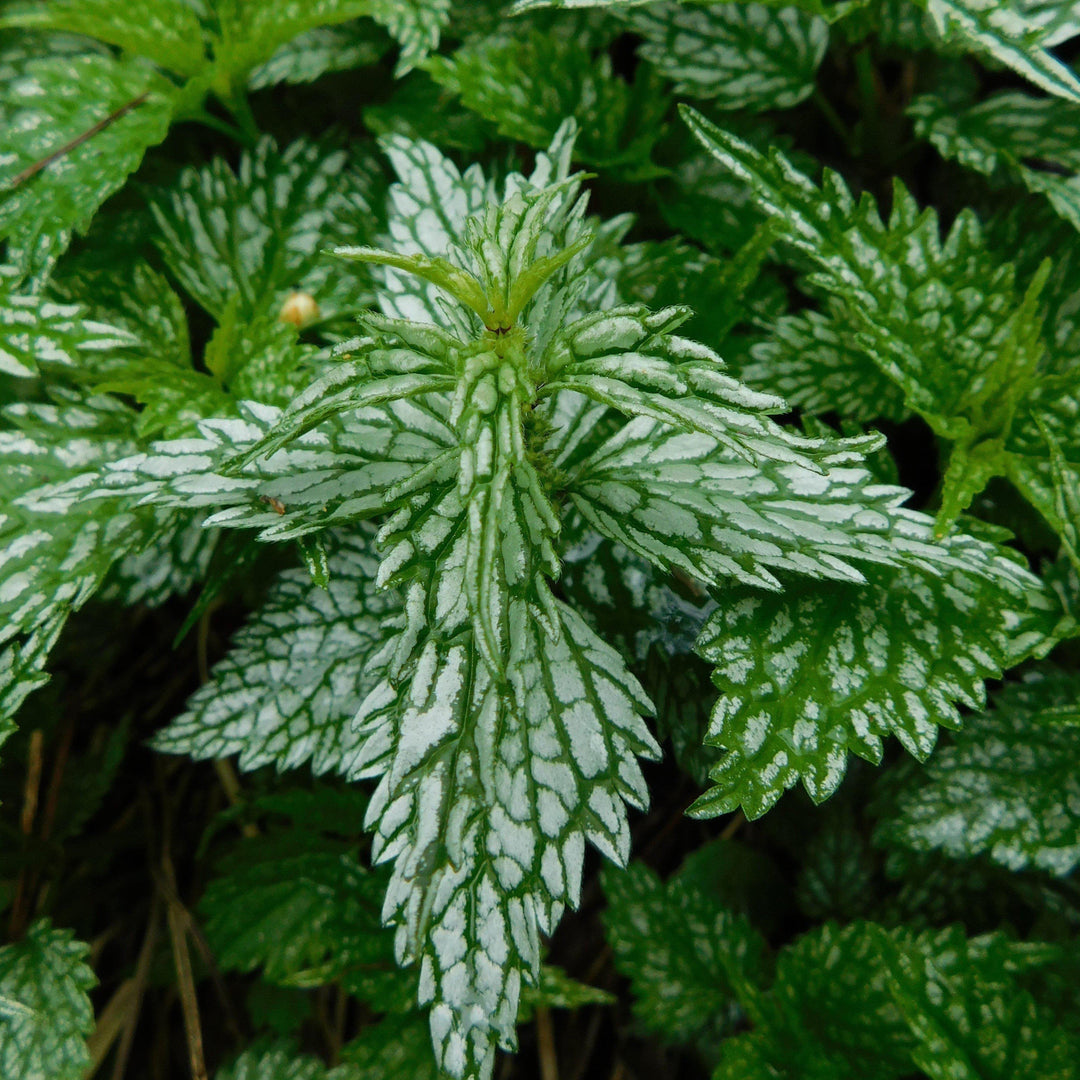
<point x="689" y="958"/>
<point x="812" y="673"/>
<point x="45" y="1010"/>
<point x="1008" y="784"/>
<point x="942" y="319"/>
<point x="297" y="671"/>
<point x="53" y="562"/>
<point x="249" y="237"/>
<point x="303" y="910"/>
<point x="736" y="55"/>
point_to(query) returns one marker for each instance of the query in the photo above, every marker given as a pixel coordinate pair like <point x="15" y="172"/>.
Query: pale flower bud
<point x="299" y="308"/>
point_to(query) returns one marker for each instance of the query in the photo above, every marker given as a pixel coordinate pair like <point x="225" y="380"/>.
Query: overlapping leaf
<point x="252" y="236"/>
<point x="325" y="478"/>
<point x="1014" y="37"/>
<point x="327" y="48"/>
<point x="415" y="24"/>
<point x="1007" y="784"/>
<point x="287" y="691"/>
<point x="861" y="1000"/>
<point x="737" y="55"/>
<point x="165" y="31"/>
<point x="37" y="331"/>
<point x="941" y="320"/>
<point x="970" y="1018"/>
<point x="253" y="31"/>
<point x="810" y="674"/>
<point x="53" y="101"/>
<point x="485" y="804"/>
<point x="682" y="501"/>
<point x="52" y="564"/>
<point x="528" y="84"/>
<point x="45" y="1010"/>
<point x="828" y="1013"/>
<point x="1030" y="140"/>
<point x="811" y="361"/>
<point x="303" y="910"/>
<point x="689" y="957"/>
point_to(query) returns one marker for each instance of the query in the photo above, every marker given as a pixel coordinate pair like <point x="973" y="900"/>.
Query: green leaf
<point x="1007" y="784"/>
<point x="415" y="24"/>
<point x="45" y="1010"/>
<point x="829" y="1013"/>
<point x="721" y="293"/>
<point x="259" y="233"/>
<point x="528" y="84"/>
<point x="935" y="317"/>
<point x="341" y="474"/>
<point x="36" y="331"/>
<point x="287" y="690"/>
<point x="831" y="9"/>
<point x="313" y="54"/>
<point x="812" y="673"/>
<point x="739" y="56"/>
<point x="860" y="1000"/>
<point x="972" y="1020"/>
<point x="428" y="210"/>
<point x="811" y="361"/>
<point x="1030" y="140"/>
<point x="836" y="880"/>
<point x="656" y="620"/>
<point x="282" y="1062"/>
<point x="688" y="956"/>
<point x="474" y="842"/>
<point x="556" y="990"/>
<point x="52" y="561"/>
<point x="135" y="299"/>
<point x="165" y="31"/>
<point x="251" y="31"/>
<point x="53" y="101"/>
<point x="153" y="364"/>
<point x="422" y="111"/>
<point x="683" y="502"/>
<point x="1007" y="33"/>
<point x="396" y="1048"/>
<point x="941" y="320"/>
<point x="305" y="912"/>
<point x="172" y="564"/>
<point x="630" y="359"/>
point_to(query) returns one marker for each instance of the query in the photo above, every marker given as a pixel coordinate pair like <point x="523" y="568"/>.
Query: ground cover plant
<point x="539" y="540"/>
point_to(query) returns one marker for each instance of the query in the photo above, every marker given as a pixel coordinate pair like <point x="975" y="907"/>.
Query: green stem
<point x="208" y="119"/>
<point x="236" y="101"/>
